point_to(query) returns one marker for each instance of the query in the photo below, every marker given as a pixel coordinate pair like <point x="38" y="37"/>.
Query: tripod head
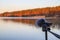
<point x="45" y="25"/>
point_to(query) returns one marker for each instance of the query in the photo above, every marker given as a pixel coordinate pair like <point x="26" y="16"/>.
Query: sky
<point x="16" y="5"/>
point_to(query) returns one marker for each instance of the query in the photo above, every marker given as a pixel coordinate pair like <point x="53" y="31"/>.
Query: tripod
<point x="46" y="28"/>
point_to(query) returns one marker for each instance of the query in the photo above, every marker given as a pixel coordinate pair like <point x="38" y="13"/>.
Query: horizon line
<point x="30" y="9"/>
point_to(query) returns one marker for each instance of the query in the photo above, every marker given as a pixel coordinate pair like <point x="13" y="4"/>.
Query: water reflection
<point x="21" y="30"/>
<point x="32" y="22"/>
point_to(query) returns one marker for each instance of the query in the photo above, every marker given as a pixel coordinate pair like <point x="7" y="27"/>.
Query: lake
<point x="10" y="30"/>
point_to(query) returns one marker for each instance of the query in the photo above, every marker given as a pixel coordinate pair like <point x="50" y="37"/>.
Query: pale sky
<point x="15" y="5"/>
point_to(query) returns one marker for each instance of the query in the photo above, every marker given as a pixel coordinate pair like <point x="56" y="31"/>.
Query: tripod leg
<point x="56" y="35"/>
<point x="46" y="36"/>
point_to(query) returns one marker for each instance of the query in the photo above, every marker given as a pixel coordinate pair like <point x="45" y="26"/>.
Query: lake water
<point x="18" y="31"/>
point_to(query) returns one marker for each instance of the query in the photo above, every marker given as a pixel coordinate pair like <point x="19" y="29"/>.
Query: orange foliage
<point x="36" y="11"/>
